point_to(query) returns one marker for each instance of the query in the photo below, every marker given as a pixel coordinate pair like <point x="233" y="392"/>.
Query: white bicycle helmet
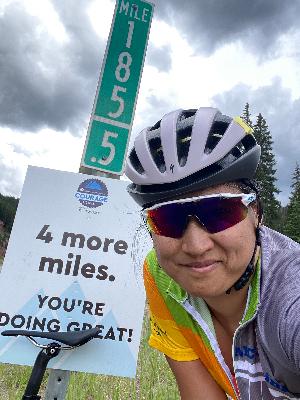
<point x="190" y="150"/>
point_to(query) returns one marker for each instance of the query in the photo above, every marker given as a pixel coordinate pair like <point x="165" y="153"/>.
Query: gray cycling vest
<point x="267" y="348"/>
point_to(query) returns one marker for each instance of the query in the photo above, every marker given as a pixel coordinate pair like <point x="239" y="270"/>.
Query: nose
<point x="196" y="240"/>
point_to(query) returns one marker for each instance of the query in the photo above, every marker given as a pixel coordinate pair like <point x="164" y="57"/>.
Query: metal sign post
<point x="57" y="384"/>
<point x="113" y="111"/>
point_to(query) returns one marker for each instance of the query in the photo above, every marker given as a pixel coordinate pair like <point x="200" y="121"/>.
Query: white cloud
<point x="98" y="12"/>
<point x="48" y="17"/>
<point x="47" y="148"/>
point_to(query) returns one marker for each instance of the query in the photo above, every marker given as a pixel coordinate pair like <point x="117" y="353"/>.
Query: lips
<point x="202" y="264"/>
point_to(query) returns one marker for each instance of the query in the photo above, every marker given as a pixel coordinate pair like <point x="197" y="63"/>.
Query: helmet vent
<point x="248" y="142"/>
<point x="216" y="132"/>
<point x="155" y="148"/>
<point x="136" y="162"/>
<point x="186" y="114"/>
<point x="239" y="149"/>
<point x="156" y="126"/>
<point x="243" y="146"/>
<point x="183" y="144"/>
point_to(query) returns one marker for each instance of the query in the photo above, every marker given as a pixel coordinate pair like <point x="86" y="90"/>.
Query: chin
<point x="206" y="292"/>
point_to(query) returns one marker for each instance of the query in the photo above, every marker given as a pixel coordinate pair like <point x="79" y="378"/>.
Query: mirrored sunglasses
<point x="214" y="212"/>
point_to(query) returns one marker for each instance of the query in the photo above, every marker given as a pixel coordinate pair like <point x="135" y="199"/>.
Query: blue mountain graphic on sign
<point x="105" y="356"/>
<point x="94" y="185"/>
<point x="73" y="297"/>
<point x="20" y="350"/>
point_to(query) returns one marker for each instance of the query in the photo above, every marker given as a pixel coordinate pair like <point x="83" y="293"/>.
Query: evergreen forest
<point x="284" y="219"/>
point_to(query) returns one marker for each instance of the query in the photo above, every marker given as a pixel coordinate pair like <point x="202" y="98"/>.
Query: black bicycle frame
<point x="38" y="371"/>
<point x="71" y="339"/>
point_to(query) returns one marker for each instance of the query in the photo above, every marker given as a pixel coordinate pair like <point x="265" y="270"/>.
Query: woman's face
<point x="206" y="264"/>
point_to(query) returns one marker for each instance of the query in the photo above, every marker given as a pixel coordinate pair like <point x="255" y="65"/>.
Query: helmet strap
<point x="244" y="279"/>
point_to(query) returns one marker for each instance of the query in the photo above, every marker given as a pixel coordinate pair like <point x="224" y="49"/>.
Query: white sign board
<point x="69" y="266"/>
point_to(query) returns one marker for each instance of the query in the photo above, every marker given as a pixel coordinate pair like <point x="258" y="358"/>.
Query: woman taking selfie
<point x="223" y="290"/>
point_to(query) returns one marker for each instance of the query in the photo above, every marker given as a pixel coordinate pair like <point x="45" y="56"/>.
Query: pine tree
<point x="246" y="115"/>
<point x="292" y="225"/>
<point x="265" y="174"/>
<point x="8" y="207"/>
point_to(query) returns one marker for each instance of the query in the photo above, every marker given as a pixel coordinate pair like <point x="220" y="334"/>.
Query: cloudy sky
<point x="200" y="53"/>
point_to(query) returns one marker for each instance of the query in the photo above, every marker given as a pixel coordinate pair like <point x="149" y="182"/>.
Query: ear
<point x="255" y="213"/>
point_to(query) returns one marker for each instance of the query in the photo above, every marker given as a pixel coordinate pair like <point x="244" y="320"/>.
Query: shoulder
<point x="280" y="272"/>
<point x="280" y="255"/>
<point x="273" y="241"/>
<point x="280" y="288"/>
<point x="280" y="269"/>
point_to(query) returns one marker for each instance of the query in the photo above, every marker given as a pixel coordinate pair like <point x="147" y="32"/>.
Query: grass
<point x="154" y="380"/>
<point x="13" y="380"/>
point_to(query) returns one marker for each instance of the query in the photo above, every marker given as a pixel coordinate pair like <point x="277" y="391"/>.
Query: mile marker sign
<point x="113" y="111"/>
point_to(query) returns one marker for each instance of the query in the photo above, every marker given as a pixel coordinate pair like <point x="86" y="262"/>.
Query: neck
<point x="229" y="309"/>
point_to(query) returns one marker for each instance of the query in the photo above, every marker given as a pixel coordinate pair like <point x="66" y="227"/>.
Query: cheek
<point x="239" y="245"/>
<point x="165" y="248"/>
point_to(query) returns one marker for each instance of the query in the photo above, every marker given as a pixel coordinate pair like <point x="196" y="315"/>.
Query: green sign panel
<point x="113" y="112"/>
